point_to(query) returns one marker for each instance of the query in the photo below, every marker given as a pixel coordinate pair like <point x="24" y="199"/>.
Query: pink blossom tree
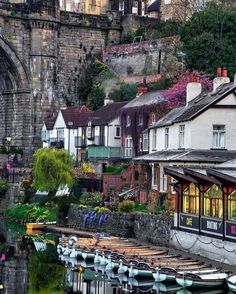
<point x="176" y="94"/>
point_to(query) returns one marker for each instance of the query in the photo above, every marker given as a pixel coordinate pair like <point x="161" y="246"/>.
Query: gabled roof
<point x="155" y="6"/>
<point x="50" y="121"/>
<point x="189" y="155"/>
<point x="196" y="106"/>
<point x="146" y="99"/>
<point x="77" y="115"/>
<point x="106" y="113"/>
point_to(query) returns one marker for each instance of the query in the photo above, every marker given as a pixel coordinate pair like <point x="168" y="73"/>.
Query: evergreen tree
<point x="209" y="38"/>
<point x="96" y="96"/>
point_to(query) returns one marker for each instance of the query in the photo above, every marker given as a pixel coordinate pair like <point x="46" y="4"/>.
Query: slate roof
<point x="145" y="99"/>
<point x="196" y="106"/>
<point x="189" y="155"/>
<point x="106" y="113"/>
<point x="155" y="6"/>
<point x="49" y="122"/>
<point x="78" y="115"/>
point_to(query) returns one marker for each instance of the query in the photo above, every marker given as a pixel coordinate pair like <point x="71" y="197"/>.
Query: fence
<point x="15" y="175"/>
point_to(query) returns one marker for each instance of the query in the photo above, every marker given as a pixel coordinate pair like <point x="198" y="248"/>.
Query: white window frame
<point x="118" y="134"/>
<point x="128" y="147"/>
<point x="219" y="135"/>
<point x="167" y="137"/>
<point x="154" y="139"/>
<point x="154" y="175"/>
<point x="181" y="136"/>
<point x="60" y="134"/>
<point x="145" y="142"/>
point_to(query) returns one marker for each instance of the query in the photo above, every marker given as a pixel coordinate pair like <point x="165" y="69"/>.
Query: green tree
<point x="208" y="38"/>
<point x="96" y="96"/>
<point x="52" y="168"/>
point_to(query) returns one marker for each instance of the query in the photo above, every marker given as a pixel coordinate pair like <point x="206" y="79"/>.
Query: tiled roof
<point x="148" y="98"/>
<point x="106" y="113"/>
<point x="155" y="6"/>
<point x="49" y="122"/>
<point x="189" y="155"/>
<point x="77" y="115"/>
<point x="195" y="106"/>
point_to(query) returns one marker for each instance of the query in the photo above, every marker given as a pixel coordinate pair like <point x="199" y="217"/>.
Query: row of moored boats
<point x="122" y="257"/>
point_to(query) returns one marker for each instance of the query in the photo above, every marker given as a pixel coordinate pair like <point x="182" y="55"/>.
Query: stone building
<point x="43" y="52"/>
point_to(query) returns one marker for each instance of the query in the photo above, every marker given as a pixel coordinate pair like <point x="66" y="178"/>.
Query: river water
<point x="29" y="264"/>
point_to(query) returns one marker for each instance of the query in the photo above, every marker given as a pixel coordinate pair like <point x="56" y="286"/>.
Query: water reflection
<point x="29" y="264"/>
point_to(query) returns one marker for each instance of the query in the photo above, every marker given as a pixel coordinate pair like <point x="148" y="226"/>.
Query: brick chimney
<point x="143" y="87"/>
<point x="221" y="78"/>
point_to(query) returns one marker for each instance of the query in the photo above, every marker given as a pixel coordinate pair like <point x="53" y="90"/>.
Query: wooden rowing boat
<point x="231" y="282"/>
<point x="201" y="280"/>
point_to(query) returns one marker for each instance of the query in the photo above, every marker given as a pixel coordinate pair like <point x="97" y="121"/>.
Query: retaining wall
<point x="144" y="227"/>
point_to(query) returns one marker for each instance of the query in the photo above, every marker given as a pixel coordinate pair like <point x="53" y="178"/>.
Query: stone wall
<point x="43" y="54"/>
<point x="144" y="58"/>
<point x="144" y="227"/>
<point x="116" y="223"/>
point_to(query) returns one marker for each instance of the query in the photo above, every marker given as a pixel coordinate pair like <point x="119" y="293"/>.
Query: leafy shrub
<point x="140" y="207"/>
<point x="126" y="206"/>
<point x="113" y="169"/>
<point x="81" y="206"/>
<point x="31" y="213"/>
<point x="102" y="209"/>
<point x="91" y="199"/>
<point x="3" y="187"/>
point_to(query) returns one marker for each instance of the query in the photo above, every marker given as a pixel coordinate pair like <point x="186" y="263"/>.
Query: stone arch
<point x="13" y="74"/>
<point x="15" y="98"/>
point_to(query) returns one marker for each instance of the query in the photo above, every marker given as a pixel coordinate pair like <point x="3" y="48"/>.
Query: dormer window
<point x="128" y="121"/>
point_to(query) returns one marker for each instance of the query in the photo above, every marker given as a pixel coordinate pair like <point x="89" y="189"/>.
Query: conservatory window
<point x="232" y="206"/>
<point x="191" y="199"/>
<point x="213" y="202"/>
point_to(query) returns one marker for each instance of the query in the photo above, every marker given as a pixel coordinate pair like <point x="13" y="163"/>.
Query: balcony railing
<point x="109" y="152"/>
<point x="104" y="152"/>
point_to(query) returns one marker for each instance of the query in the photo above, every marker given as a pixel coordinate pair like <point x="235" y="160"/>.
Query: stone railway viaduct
<point x="42" y="51"/>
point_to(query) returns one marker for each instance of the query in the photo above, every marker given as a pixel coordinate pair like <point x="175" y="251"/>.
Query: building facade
<point x="198" y="134"/>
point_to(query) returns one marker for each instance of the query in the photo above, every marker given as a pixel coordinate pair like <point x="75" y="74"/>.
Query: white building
<point x="104" y="132"/>
<point x="203" y="132"/>
<point x="67" y="129"/>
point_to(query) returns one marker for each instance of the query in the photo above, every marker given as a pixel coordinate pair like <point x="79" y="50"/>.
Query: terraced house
<point x="201" y="133"/>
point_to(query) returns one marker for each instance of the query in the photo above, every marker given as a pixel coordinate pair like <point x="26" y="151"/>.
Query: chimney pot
<point x="219" y="72"/>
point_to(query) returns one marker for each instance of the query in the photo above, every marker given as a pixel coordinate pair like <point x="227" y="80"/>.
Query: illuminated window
<point x="213" y="202"/>
<point x="191" y="199"/>
<point x="232" y="206"/>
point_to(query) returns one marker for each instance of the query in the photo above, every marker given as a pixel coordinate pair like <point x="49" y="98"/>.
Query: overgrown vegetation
<point x="91" y="199"/>
<point x="126" y="206"/>
<point x="31" y="213"/>
<point x="153" y="31"/>
<point x="3" y="187"/>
